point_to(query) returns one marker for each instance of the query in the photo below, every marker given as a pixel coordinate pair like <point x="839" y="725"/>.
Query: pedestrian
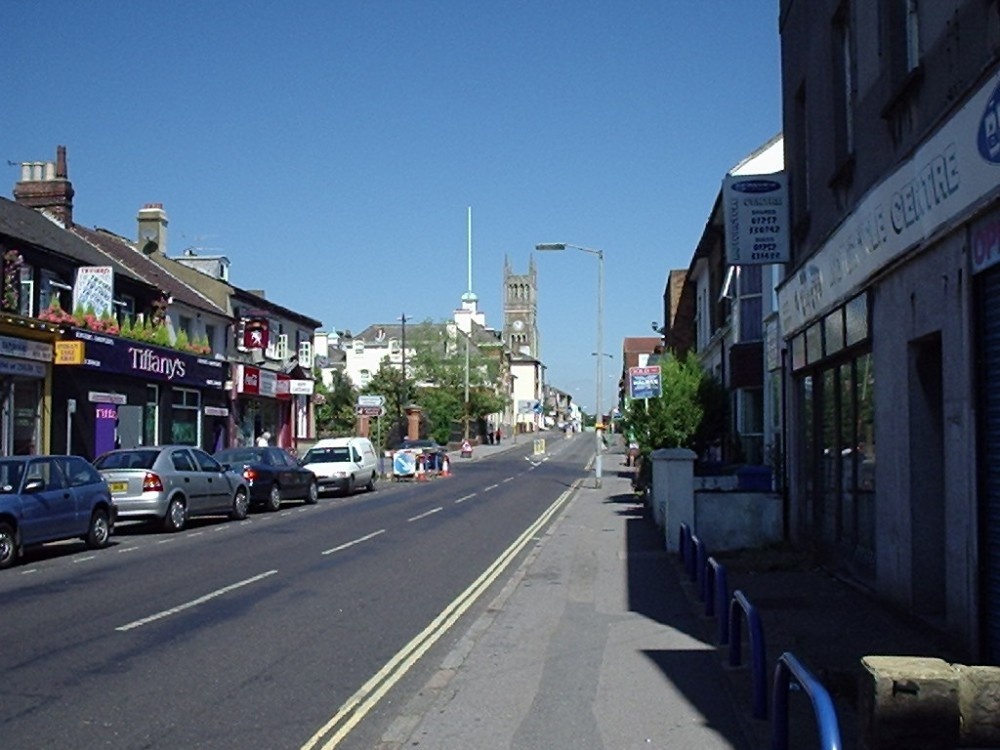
<point x="264" y="440"/>
<point x="498" y="435"/>
<point x="489" y="433"/>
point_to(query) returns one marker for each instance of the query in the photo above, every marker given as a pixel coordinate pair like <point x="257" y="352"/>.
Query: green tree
<point x="334" y="412"/>
<point x="444" y="360"/>
<point x="673" y="419"/>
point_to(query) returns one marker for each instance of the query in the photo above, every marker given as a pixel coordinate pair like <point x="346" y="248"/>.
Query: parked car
<point x="272" y="474"/>
<point x="50" y="498"/>
<point x="172" y="483"/>
<point x="343" y="464"/>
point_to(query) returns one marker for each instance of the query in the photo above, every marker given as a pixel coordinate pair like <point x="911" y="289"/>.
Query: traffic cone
<point x="445" y="466"/>
<point x="421" y="474"/>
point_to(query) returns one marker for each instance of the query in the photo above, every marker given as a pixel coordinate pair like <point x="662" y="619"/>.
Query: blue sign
<point x="142" y="360"/>
<point x="644" y="382"/>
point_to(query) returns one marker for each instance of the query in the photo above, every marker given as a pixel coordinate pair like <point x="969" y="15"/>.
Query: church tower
<point x="520" y="311"/>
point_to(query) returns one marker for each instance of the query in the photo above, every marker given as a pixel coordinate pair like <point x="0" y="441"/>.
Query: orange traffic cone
<point x="421" y="474"/>
<point x="445" y="466"/>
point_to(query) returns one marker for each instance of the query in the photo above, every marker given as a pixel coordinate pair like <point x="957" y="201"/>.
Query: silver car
<point x="172" y="483"/>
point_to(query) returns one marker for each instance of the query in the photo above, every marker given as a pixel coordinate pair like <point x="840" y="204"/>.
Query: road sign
<point x="371" y="400"/>
<point x="369" y="411"/>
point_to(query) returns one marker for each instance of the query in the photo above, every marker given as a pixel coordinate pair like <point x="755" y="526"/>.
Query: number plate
<point x="118" y="487"/>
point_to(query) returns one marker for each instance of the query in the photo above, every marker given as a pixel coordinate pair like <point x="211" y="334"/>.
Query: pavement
<point x="599" y="640"/>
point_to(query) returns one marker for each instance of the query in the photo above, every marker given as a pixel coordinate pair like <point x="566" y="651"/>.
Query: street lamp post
<point x="599" y="425"/>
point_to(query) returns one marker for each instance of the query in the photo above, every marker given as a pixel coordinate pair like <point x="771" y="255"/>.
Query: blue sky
<point x="330" y="148"/>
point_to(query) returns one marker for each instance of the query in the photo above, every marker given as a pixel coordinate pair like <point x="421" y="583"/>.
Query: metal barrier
<point x="695" y="552"/>
<point x="716" y="596"/>
<point x="826" y="715"/>
<point x="758" y="652"/>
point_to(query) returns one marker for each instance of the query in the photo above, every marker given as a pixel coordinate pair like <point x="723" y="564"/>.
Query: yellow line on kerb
<point x="367" y="697"/>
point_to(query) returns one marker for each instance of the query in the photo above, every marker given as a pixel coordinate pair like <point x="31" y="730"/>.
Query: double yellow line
<point x="367" y="697"/>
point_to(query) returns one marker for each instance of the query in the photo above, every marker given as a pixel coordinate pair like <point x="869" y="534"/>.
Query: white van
<point x="343" y="464"/>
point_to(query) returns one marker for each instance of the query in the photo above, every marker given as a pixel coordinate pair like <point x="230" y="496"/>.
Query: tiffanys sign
<point x="141" y="360"/>
<point x="254" y="381"/>
<point x="951" y="173"/>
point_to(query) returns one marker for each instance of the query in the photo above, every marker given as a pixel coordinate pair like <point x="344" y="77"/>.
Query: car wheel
<point x="312" y="494"/>
<point x="349" y="489"/>
<point x="8" y="545"/>
<point x="241" y="505"/>
<point x="176" y="517"/>
<point x="371" y="483"/>
<point x="99" y="533"/>
<point x="274" y="498"/>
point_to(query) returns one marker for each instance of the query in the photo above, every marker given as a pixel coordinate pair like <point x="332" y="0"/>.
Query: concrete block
<point x="908" y="703"/>
<point x="979" y="705"/>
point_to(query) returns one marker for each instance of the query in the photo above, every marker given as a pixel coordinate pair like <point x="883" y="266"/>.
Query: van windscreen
<point x="327" y="455"/>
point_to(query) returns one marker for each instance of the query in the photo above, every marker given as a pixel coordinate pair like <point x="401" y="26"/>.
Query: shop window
<point x="856" y="314"/>
<point x="833" y="325"/>
<point x="151" y="416"/>
<point x="185" y="423"/>
<point x="24" y="405"/>
<point x="814" y="343"/>
<point x="799" y="352"/>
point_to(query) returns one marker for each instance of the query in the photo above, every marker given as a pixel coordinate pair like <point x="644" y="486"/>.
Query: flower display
<point x="12" y="262"/>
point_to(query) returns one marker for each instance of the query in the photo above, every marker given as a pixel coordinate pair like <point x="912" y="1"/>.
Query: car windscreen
<point x="137" y="459"/>
<point x="10" y="476"/>
<point x="327" y="456"/>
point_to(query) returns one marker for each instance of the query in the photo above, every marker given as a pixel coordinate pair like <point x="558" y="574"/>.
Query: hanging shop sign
<point x="148" y="361"/>
<point x="69" y="353"/>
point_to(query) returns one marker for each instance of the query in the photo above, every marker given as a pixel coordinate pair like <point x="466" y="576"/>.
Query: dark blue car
<point x="50" y="498"/>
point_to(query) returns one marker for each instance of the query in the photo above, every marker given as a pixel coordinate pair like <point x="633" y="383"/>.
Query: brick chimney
<point x="45" y="186"/>
<point x="152" y="229"/>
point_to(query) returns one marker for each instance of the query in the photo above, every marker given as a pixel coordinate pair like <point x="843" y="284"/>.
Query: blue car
<point x="50" y="498"/>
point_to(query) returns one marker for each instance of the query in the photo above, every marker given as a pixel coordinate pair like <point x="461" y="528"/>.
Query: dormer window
<point x="359" y="346"/>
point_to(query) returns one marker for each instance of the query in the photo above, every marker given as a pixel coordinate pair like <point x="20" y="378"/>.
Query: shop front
<point x="26" y="355"/>
<point x="119" y="393"/>
<point x="261" y="412"/>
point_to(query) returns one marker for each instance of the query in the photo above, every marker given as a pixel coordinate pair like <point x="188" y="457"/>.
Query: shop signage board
<point x="25" y="349"/>
<point x="142" y="360"/>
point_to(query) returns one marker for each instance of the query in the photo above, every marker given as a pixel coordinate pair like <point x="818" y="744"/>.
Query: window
<point x="27" y="291"/>
<point x="184" y="323"/>
<point x="182" y="461"/>
<point x="206" y="462"/>
<point x="185" y="426"/>
<point x="48" y="471"/>
<point x="79" y="473"/>
<point x="210" y="334"/>
<point x="843" y="90"/>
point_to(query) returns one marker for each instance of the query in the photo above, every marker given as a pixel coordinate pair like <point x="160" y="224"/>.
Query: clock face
<point x="518" y="325"/>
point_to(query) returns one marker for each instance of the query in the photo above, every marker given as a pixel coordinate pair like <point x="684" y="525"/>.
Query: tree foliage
<point x="688" y="411"/>
<point x="443" y="359"/>
<point x="334" y="411"/>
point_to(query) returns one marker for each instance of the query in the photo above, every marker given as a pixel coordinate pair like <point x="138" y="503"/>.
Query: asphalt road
<point x="297" y="629"/>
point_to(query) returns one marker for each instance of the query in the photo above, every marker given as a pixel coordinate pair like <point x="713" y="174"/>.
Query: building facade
<point x="892" y="149"/>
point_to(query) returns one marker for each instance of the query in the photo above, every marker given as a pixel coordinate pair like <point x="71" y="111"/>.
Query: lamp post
<point x="599" y="417"/>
